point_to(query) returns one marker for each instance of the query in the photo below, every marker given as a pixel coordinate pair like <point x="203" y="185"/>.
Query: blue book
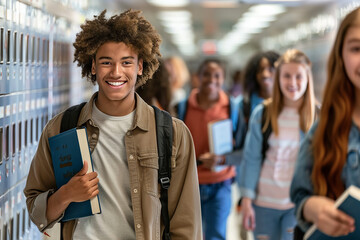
<point x="349" y="203"/>
<point x="220" y="139"/>
<point x="68" y="151"/>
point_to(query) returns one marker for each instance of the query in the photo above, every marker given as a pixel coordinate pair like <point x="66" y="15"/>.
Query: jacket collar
<point x="143" y="113"/>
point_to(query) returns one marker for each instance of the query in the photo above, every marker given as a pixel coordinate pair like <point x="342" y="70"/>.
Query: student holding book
<point x="267" y="173"/>
<point x="117" y="54"/>
<point x="328" y="161"/>
<point x="207" y="104"/>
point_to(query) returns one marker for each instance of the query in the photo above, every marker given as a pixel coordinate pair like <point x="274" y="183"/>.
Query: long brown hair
<point x="307" y="108"/>
<point x="331" y="137"/>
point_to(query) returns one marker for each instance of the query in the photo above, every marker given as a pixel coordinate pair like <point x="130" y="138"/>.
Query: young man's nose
<point x="116" y="70"/>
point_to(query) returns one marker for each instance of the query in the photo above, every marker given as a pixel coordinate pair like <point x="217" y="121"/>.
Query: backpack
<point x="164" y="138"/>
<point x="181" y="111"/>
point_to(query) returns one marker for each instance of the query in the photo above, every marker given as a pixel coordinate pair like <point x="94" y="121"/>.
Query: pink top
<point x="278" y="168"/>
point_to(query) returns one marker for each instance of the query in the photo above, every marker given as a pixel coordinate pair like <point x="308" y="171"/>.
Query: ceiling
<point x="211" y="24"/>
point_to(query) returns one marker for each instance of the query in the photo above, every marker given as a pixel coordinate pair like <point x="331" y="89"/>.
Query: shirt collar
<point x="142" y="113"/>
<point x="223" y="98"/>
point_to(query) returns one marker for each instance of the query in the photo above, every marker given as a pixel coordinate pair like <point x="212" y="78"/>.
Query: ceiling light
<point x="267" y="9"/>
<point x="174" y="15"/>
<point x="168" y="3"/>
<point x="220" y="4"/>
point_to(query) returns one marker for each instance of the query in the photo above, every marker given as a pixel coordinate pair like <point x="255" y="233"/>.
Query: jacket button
<point x="131" y="157"/>
<point x="135" y="190"/>
<point x="41" y="225"/>
<point x="128" y="133"/>
<point x="93" y="135"/>
<point x="138" y="225"/>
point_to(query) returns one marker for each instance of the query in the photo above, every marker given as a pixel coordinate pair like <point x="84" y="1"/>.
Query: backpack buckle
<point x="165" y="182"/>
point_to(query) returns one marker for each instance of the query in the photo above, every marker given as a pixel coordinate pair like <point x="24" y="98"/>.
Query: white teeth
<point x="116" y="83"/>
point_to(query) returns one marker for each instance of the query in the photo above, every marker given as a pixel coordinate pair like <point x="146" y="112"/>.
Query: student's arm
<point x="252" y="157"/>
<point x="331" y="221"/>
<point x="251" y="167"/>
<point x="45" y="205"/>
<point x="183" y="194"/>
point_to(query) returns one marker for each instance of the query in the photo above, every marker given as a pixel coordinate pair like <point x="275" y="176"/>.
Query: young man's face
<point x="116" y="67"/>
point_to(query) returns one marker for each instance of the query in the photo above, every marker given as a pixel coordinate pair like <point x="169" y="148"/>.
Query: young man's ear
<point x="140" y="66"/>
<point x="93" y="67"/>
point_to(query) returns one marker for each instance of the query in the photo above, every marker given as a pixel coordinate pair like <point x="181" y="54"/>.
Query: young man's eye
<point x="105" y="63"/>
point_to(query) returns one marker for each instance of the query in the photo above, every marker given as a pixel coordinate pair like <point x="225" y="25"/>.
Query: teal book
<point x="69" y="150"/>
<point x="349" y="203"/>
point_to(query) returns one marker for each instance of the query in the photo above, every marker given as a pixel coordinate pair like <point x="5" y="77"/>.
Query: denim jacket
<point x="302" y="187"/>
<point x="253" y="155"/>
<point x="235" y="157"/>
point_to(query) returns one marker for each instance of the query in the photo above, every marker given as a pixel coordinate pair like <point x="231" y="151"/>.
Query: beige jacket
<point x="141" y="150"/>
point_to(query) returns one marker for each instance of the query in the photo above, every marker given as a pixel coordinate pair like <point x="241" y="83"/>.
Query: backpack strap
<point x="181" y="109"/>
<point x="70" y="117"/>
<point x="247" y="109"/>
<point x="266" y="133"/>
<point x="164" y="140"/>
<point x="69" y="120"/>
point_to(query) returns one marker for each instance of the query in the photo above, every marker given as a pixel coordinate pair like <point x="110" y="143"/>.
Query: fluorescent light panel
<point x="169" y="3"/>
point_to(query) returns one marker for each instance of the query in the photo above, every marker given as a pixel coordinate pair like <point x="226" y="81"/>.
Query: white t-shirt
<point x="109" y="158"/>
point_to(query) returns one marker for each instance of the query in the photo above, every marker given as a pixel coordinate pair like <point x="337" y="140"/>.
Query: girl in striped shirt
<point x="267" y="209"/>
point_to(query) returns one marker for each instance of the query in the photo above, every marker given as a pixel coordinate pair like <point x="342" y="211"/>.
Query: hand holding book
<point x="334" y="220"/>
<point x="74" y="173"/>
<point x="82" y="186"/>
<point x="210" y="160"/>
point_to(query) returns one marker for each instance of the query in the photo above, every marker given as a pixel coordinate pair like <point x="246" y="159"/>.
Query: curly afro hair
<point x="128" y="27"/>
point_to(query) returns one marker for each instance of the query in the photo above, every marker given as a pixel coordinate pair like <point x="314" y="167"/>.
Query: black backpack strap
<point x="164" y="140"/>
<point x="70" y="117"/>
<point x="266" y="133"/>
<point x="246" y="109"/>
<point x="69" y="120"/>
<point x="181" y="109"/>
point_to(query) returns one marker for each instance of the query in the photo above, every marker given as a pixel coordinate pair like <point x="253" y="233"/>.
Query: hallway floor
<point x="234" y="220"/>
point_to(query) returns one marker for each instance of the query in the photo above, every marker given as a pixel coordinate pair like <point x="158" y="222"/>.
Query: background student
<point x="269" y="165"/>
<point x="328" y="159"/>
<point x="257" y="80"/>
<point x="206" y="104"/>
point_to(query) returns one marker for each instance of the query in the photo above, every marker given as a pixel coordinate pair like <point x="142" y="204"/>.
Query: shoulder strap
<point x="164" y="140"/>
<point x="69" y="120"/>
<point x="247" y="109"/>
<point x="181" y="109"/>
<point x="266" y="133"/>
<point x="71" y="117"/>
<point x="234" y="109"/>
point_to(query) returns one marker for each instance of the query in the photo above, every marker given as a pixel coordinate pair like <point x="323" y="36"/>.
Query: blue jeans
<point x="274" y="224"/>
<point x="215" y="209"/>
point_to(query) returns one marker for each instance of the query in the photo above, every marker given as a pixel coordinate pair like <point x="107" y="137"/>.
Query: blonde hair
<point x="331" y="136"/>
<point x="276" y="104"/>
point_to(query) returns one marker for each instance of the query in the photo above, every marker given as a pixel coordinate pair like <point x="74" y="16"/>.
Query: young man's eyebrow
<point x="105" y="58"/>
<point x="123" y="58"/>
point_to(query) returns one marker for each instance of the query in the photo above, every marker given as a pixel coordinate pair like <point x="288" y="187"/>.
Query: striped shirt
<point x="278" y="168"/>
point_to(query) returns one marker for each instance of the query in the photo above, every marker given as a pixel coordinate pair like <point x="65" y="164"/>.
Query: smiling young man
<point x="118" y="54"/>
